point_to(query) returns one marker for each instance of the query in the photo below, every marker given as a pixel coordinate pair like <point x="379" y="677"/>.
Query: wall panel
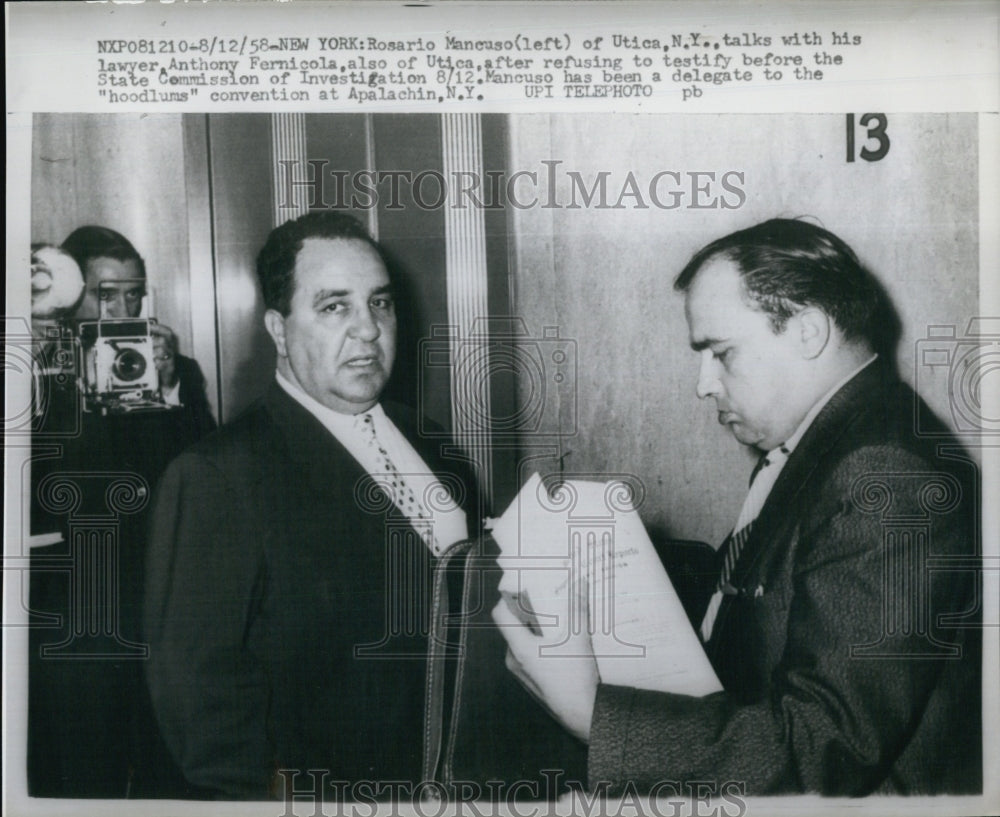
<point x="240" y="168"/>
<point x="123" y="171"/>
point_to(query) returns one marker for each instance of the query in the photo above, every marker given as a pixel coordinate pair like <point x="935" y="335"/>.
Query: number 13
<point x="875" y="123"/>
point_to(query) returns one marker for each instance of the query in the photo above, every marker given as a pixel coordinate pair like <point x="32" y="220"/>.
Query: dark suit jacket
<point x="286" y="608"/>
<point x="91" y="732"/>
<point x="842" y="672"/>
<point x="192" y="395"/>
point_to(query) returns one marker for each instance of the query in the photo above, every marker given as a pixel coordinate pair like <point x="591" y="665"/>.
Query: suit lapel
<point x="832" y="422"/>
<point x="313" y="450"/>
<point x="328" y="466"/>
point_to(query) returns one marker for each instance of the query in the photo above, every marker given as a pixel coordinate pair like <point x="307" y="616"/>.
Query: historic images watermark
<point x="960" y="364"/>
<point x="967" y="360"/>
<point x="542" y="367"/>
<point x="314" y="793"/>
<point x="550" y="186"/>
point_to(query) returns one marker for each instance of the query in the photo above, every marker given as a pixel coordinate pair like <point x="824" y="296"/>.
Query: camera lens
<point x="129" y="365"/>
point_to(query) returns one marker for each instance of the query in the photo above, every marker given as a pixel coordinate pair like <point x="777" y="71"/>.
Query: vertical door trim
<point x="468" y="310"/>
<point x="201" y="256"/>
<point x="288" y="145"/>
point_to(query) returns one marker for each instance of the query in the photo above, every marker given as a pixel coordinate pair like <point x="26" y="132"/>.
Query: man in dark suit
<point x="289" y="572"/>
<point x="843" y="623"/>
<point x="91" y="732"/>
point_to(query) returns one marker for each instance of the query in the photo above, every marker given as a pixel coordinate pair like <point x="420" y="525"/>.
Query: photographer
<point x="91" y="732"/>
<point x="114" y="287"/>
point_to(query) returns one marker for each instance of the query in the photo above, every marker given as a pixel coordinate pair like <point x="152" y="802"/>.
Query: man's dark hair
<point x="787" y="264"/>
<point x="87" y="243"/>
<point x="276" y="260"/>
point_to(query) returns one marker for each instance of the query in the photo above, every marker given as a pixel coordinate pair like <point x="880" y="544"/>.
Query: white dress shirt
<point x="449" y="521"/>
<point x="172" y="395"/>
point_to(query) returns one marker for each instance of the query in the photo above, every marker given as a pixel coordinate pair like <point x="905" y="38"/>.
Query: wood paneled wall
<point x="126" y="172"/>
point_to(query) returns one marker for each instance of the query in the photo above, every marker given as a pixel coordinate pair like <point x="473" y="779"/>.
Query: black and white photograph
<point x="500" y="417"/>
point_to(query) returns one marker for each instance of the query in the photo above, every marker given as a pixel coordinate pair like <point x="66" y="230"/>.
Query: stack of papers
<point x="579" y="557"/>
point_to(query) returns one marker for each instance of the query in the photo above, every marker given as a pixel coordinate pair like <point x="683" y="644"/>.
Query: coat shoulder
<point x="240" y="447"/>
<point x="885" y="427"/>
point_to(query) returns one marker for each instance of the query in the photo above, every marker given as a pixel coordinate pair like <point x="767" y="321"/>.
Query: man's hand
<point x="563" y="677"/>
<point x="56" y="283"/>
<point x="165" y="353"/>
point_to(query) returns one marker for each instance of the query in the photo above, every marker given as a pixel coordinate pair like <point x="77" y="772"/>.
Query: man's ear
<point x="274" y="322"/>
<point x="814" y="331"/>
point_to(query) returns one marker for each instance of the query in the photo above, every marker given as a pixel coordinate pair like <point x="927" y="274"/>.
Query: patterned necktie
<point x="760" y="487"/>
<point x="391" y="481"/>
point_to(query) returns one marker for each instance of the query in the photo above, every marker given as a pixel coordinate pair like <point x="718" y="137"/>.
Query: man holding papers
<point x="844" y="623"/>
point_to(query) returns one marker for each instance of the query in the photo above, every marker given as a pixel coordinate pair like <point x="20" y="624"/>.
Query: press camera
<point x="117" y="357"/>
<point x="110" y="360"/>
<point x="117" y="364"/>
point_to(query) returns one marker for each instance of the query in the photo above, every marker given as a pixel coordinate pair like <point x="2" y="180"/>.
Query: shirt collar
<point x="791" y="442"/>
<point x="335" y="421"/>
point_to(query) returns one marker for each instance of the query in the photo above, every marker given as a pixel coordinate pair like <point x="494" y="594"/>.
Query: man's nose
<point x="365" y="325"/>
<point x="116" y="307"/>
<point x="708" y="376"/>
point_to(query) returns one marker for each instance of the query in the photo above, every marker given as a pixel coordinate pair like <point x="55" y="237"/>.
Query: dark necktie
<point x="760" y="487"/>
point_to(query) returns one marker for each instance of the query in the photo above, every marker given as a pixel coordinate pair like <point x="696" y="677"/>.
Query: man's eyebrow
<point x="323" y="294"/>
<point x="119" y="288"/>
